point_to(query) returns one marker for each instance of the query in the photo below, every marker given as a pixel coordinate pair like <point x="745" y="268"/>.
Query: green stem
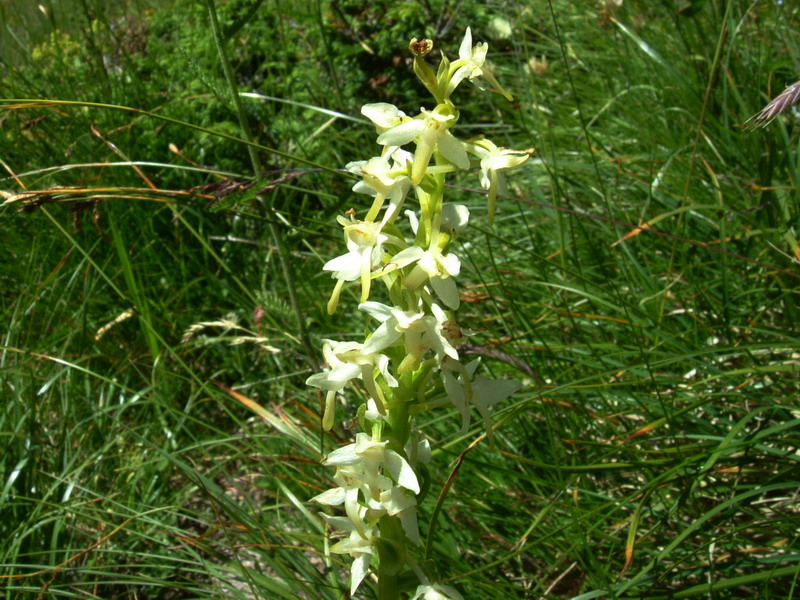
<point x="230" y="78"/>
<point x="387" y="587"/>
<point x="399" y="420"/>
<point x="423" y="230"/>
<point x="265" y="206"/>
<point x="392" y="552"/>
<point x="392" y="547"/>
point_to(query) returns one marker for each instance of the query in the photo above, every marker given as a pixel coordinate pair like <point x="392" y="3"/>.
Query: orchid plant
<point x="409" y="361"/>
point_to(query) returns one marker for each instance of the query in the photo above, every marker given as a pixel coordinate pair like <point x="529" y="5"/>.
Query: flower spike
<point x="408" y="361"/>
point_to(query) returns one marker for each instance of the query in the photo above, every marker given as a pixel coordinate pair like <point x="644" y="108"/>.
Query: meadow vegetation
<point x="157" y="439"/>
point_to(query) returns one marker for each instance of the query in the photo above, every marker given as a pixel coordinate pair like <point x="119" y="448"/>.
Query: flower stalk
<point x="408" y="362"/>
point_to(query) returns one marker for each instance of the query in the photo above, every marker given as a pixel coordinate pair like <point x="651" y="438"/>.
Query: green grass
<point x="653" y="450"/>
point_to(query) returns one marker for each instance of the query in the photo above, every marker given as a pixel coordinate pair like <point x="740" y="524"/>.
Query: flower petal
<point x="401" y="471"/>
<point x="334" y="379"/>
<point x="383" y="114"/>
<point x="455" y="216"/>
<point x="333" y="497"/>
<point x="408" y="256"/>
<point x="358" y="571"/>
<point x="447" y="291"/>
<point x="453" y="150"/>
<point x="422" y="157"/>
<point x="465" y="50"/>
<point x="402" y="134"/>
<point x="379" y="311"/>
<point x="346" y="455"/>
<point x="383" y="337"/>
<point x="488" y="392"/>
<point x="346" y="267"/>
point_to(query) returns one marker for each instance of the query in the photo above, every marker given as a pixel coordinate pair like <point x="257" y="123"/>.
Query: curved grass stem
<point x="264" y="205"/>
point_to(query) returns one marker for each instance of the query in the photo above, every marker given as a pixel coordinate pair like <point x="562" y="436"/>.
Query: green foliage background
<point x="653" y="450"/>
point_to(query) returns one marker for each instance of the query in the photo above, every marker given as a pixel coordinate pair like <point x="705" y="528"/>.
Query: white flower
<point x="458" y="393"/>
<point x="454" y="216"/>
<point x="434" y="266"/>
<point x="347" y="361"/>
<point x="360" y="467"/>
<point x="431" y="132"/>
<point x="372" y="456"/>
<point x="463" y="390"/>
<point x="378" y="177"/>
<point x="394" y="322"/>
<point x="470" y="65"/>
<point x="432" y="333"/>
<point x="494" y="159"/>
<point x="384" y="116"/>
<point x="347" y="493"/>
<point x="359" y="546"/>
<point x="436" y="592"/>
<point x="382" y="180"/>
<point x="364" y="241"/>
<point x="418" y="450"/>
<point x="488" y="392"/>
<point x="420" y="333"/>
<point x="399" y="503"/>
<point x="372" y="413"/>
